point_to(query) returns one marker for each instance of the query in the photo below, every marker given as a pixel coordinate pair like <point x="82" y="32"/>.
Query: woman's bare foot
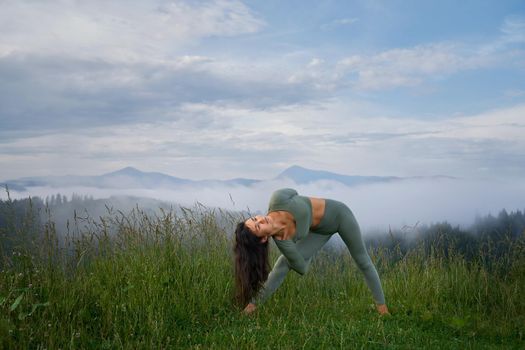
<point x="382" y="309"/>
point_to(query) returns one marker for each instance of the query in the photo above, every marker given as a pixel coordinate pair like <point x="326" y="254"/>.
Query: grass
<point x="138" y="281"/>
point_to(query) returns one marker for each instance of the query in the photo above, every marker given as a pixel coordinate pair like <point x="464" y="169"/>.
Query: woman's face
<point x="261" y="226"/>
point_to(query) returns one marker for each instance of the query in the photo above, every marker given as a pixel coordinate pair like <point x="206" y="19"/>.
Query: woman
<point x="299" y="226"/>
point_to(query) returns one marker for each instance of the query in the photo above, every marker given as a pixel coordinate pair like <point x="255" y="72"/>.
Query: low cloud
<point x="376" y="206"/>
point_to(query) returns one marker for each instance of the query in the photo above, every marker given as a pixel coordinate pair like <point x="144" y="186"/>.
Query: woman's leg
<point x="307" y="247"/>
<point x="351" y="234"/>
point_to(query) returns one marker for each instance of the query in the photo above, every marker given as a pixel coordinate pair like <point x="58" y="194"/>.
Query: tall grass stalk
<point x="133" y="280"/>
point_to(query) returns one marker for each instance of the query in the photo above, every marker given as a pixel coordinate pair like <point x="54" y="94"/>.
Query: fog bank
<point x="376" y="206"/>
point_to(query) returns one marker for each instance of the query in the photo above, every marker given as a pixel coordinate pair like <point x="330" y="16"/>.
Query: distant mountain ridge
<point x="302" y="175"/>
<point x="130" y="177"/>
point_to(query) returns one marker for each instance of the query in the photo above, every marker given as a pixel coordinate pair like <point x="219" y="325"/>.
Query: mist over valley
<point x="379" y="202"/>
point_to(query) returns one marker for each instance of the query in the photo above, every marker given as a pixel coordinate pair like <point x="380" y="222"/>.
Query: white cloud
<point x="39" y="93"/>
<point x="126" y="31"/>
<point x="315" y="62"/>
<point x="231" y="140"/>
<point x="410" y="66"/>
<point x="338" y="23"/>
<point x="122" y="86"/>
<point x="514" y="93"/>
<point x="513" y="29"/>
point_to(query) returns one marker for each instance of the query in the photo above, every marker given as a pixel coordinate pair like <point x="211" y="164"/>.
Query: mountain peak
<point x="130" y="171"/>
<point x="302" y="175"/>
<point x="296" y="170"/>
<point x="293" y="170"/>
<point x="295" y="167"/>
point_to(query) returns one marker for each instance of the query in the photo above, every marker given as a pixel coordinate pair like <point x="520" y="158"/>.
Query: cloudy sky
<point x="224" y="89"/>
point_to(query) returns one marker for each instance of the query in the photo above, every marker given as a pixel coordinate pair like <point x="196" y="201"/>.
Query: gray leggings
<point x="338" y="218"/>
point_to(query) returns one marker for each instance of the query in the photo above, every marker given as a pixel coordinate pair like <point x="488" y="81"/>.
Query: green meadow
<point x="138" y="280"/>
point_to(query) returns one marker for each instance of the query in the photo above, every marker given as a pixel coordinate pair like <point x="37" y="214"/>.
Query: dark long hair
<point x="251" y="264"/>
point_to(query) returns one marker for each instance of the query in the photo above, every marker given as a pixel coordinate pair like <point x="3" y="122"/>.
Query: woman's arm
<point x="296" y="261"/>
<point x="307" y="248"/>
<point x="291" y="258"/>
<point x="275" y="279"/>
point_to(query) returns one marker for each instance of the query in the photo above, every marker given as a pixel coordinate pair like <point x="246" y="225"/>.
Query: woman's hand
<point x="249" y="309"/>
<point x="382" y="309"/>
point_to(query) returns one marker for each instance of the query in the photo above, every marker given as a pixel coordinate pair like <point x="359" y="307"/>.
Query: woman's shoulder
<point x="281" y="197"/>
<point x="285" y="193"/>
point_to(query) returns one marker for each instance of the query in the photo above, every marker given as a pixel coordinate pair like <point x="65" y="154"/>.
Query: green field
<point x="139" y="281"/>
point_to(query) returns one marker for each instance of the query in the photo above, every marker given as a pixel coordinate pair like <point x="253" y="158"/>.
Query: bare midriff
<point x="318" y="206"/>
